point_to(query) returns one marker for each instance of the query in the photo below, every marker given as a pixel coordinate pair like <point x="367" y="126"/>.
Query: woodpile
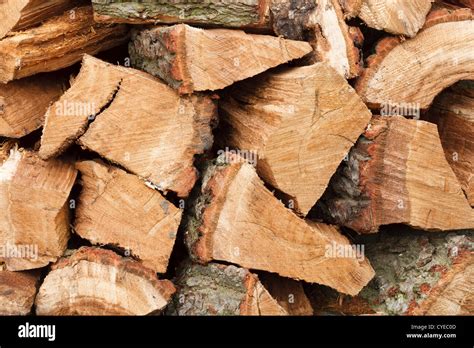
<point x="242" y="157"/>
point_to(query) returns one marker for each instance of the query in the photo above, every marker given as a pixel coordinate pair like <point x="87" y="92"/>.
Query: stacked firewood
<point x="236" y="157"/>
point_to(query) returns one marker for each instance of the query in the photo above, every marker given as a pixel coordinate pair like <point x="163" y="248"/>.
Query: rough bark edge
<point x="386" y="45"/>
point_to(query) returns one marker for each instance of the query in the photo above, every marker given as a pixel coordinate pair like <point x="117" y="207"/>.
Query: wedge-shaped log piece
<point x="404" y="72"/>
<point x="57" y="43"/>
<point x="95" y="281"/>
<point x="23" y="103"/>
<point x="227" y="13"/>
<point x="416" y="274"/>
<point x="397" y="17"/>
<point x="17" y="292"/>
<point x="453" y="111"/>
<point x="140" y="123"/>
<point x="289" y="294"/>
<point x="34" y="219"/>
<point x="191" y="59"/>
<point x="238" y="220"/>
<point x="331" y="39"/>
<point x="17" y="15"/>
<point x="397" y="173"/>
<point x="217" y="289"/>
<point x="117" y="208"/>
<point x="68" y="118"/>
<point x="300" y="123"/>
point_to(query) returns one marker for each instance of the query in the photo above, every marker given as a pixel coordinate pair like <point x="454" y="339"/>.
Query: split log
<point x="237" y="219"/>
<point x="17" y="292"/>
<point x="57" y="43"/>
<point x="34" y="219"/>
<point x="300" y="123"/>
<point x="416" y="274"/>
<point x="221" y="290"/>
<point x="94" y="281"/>
<point x="289" y="294"/>
<point x="16" y="15"/>
<point x="398" y="17"/>
<point x="227" y="13"/>
<point x="464" y="3"/>
<point x="388" y="180"/>
<point x="139" y="123"/>
<point x="453" y="112"/>
<point x="331" y="39"/>
<point x="191" y="59"/>
<point x="5" y="146"/>
<point x="117" y="208"/>
<point x="24" y="102"/>
<point x="404" y="71"/>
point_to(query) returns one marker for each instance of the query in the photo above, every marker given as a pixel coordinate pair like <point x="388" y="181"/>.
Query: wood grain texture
<point x="17" y="292"/>
<point x="394" y="174"/>
<point x="299" y="123"/>
<point x="404" y="72"/>
<point x="95" y="281"/>
<point x="289" y="293"/>
<point x="453" y="112"/>
<point x="238" y="220"/>
<point x="34" y="208"/>
<point x="24" y="102"/>
<point x="331" y="39"/>
<point x="57" y="43"/>
<point x="398" y="17"/>
<point x="191" y="59"/>
<point x="351" y="7"/>
<point x="217" y="289"/>
<point x="18" y="15"/>
<point x="117" y="208"/>
<point x="226" y="13"/>
<point x="138" y="122"/>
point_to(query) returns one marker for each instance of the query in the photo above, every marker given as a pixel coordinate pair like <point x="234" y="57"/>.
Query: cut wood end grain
<point x="117" y="208"/>
<point x="57" y="43"/>
<point x="299" y="123"/>
<point x="402" y="73"/>
<point x="86" y="283"/>
<point x="134" y="120"/>
<point x="255" y="233"/>
<point x="34" y="211"/>
<point x="396" y="17"/>
<point x="386" y="180"/>
<point x="191" y="59"/>
<point x="17" y="292"/>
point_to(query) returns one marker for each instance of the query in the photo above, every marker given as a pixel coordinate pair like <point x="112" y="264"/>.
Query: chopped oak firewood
<point x="24" y="102"/>
<point x="95" y="281"/>
<point x="464" y="3"/>
<point x="191" y="59"/>
<point x="399" y="17"/>
<point x="453" y="111"/>
<point x="227" y="13"/>
<point x="117" y="208"/>
<point x="18" y="15"/>
<point x="397" y="173"/>
<point x="34" y="219"/>
<point x="289" y="293"/>
<point x="57" y="43"/>
<point x="138" y="122"/>
<point x="332" y="40"/>
<point x="414" y="71"/>
<point x="299" y="123"/>
<point x="238" y="220"/>
<point x="17" y="292"/>
<point x="217" y="289"/>
<point x="416" y="274"/>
